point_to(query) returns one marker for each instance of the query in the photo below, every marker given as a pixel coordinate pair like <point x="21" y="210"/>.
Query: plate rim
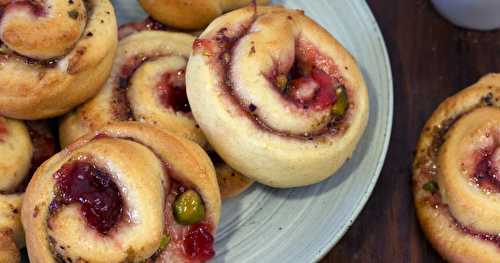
<point x="360" y="205"/>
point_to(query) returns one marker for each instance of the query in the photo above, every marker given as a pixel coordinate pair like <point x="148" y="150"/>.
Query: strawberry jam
<point x="315" y="89"/>
<point x="199" y="243"/>
<point x="3" y="130"/>
<point x="486" y="175"/>
<point x="172" y="91"/>
<point x="35" y="8"/>
<point x="84" y="183"/>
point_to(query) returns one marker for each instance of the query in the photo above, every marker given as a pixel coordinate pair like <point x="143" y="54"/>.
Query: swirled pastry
<point x="456" y="179"/>
<point x="23" y="147"/>
<point x="191" y="14"/>
<point x="127" y="192"/>
<point x="276" y="95"/>
<point x="147" y="85"/>
<point x="53" y="55"/>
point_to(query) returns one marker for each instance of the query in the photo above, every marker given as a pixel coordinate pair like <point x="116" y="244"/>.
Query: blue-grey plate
<point x="303" y="224"/>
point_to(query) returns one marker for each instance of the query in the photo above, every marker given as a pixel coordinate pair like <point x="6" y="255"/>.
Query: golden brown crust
<point x="142" y="185"/>
<point x="35" y="91"/>
<point x="231" y="183"/>
<point x="191" y="14"/>
<point x="441" y="225"/>
<point x="15" y="161"/>
<point x="270" y="38"/>
<point x="9" y="253"/>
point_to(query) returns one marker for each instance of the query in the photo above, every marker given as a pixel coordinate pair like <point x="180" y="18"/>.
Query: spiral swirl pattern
<point x="145" y="61"/>
<point x="147" y="84"/>
<point x="127" y="215"/>
<point x="22" y="149"/>
<point x="54" y="54"/>
<point x="191" y="14"/>
<point x="456" y="181"/>
<point x="276" y="95"/>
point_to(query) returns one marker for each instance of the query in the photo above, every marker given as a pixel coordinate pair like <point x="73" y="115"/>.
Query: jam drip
<point x="199" y="242"/>
<point x="84" y="183"/>
<point x="486" y="175"/>
<point x="172" y="91"/>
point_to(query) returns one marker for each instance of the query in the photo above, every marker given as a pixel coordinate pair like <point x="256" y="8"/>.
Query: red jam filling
<point x="3" y="131"/>
<point x="172" y="91"/>
<point x="314" y="89"/>
<point x="199" y="243"/>
<point x="482" y="236"/>
<point x="314" y="81"/>
<point x="35" y="8"/>
<point x="486" y="175"/>
<point x="84" y="183"/>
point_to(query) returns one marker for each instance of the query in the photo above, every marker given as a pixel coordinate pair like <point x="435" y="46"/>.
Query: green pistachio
<point x="4" y="49"/>
<point x="340" y="105"/>
<point x="431" y="187"/>
<point x="282" y="82"/>
<point x="189" y="208"/>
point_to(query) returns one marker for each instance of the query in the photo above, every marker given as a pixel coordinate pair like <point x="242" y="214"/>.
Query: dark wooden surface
<point x="431" y="59"/>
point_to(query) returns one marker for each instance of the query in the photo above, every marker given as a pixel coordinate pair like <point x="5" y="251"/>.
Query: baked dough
<point x="261" y="84"/>
<point x="54" y="56"/>
<point x="147" y="167"/>
<point x="191" y="14"/>
<point x="22" y="148"/>
<point x="455" y="187"/>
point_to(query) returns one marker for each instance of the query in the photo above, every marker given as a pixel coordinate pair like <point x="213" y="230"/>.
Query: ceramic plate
<point x="302" y="225"/>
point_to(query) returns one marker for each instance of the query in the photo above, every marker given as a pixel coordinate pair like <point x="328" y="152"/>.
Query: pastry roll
<point x="276" y="95"/>
<point x="127" y="192"/>
<point x="55" y="55"/>
<point x="456" y="181"/>
<point x="23" y="147"/>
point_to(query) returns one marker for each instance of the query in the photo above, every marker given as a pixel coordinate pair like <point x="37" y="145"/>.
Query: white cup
<point x="473" y="14"/>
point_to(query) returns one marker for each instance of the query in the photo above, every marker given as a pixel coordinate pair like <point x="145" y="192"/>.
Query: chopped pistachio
<point x="340" y="105"/>
<point x="189" y="208"/>
<point x="4" y="49"/>
<point x="165" y="239"/>
<point x="431" y="187"/>
<point x="282" y="82"/>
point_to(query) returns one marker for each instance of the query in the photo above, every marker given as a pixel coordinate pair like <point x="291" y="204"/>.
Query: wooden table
<point x="431" y="60"/>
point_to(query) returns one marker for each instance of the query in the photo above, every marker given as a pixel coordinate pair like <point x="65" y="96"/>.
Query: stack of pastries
<point x="157" y="126"/>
